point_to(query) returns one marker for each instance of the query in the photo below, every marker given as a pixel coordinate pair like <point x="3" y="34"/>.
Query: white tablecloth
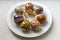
<point x="52" y="34"/>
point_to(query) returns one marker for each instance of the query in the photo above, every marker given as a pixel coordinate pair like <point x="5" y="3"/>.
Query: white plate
<point x="31" y="34"/>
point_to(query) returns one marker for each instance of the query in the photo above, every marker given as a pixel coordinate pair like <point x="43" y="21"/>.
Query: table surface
<point x="52" y="34"/>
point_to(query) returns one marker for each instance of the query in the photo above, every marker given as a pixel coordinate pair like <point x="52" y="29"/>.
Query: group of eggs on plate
<point x="26" y="25"/>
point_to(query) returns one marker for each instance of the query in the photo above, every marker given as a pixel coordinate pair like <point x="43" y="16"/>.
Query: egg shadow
<point x="35" y="38"/>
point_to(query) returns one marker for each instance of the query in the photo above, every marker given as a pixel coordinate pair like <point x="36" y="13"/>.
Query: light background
<point x="52" y="34"/>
